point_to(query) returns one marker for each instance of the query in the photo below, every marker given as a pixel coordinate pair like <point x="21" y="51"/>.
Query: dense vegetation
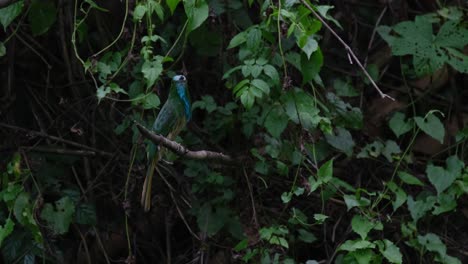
<point x="344" y="128"/>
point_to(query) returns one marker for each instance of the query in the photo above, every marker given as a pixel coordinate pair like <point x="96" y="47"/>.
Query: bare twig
<point x="348" y="50"/>
<point x="182" y="151"/>
<point x="68" y="142"/>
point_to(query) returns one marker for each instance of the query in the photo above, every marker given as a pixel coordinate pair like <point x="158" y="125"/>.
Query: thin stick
<point x="348" y="49"/>
<point x="68" y="142"/>
<point x="182" y="151"/>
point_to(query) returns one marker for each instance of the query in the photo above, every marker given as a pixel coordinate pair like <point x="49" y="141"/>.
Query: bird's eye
<point x="182" y="78"/>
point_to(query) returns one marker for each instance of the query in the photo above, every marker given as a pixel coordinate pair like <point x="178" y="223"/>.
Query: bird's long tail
<point x="146" y="193"/>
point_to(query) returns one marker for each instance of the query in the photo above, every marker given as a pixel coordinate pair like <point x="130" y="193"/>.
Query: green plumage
<point x="172" y="118"/>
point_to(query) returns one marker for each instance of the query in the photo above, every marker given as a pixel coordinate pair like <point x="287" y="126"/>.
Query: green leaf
<point x="445" y="203"/>
<point x="9" y="13"/>
<point x="398" y="124"/>
<point x="139" y="12"/>
<point x="276" y="121"/>
<point x="151" y="101"/>
<point x="197" y="12"/>
<point x="308" y="44"/>
<point x="409" y="179"/>
<point x="2" y="49"/>
<point x="344" y="88"/>
<point x="41" y="16"/>
<point x="237" y="40"/>
<point x="391" y="148"/>
<point x="432" y="243"/>
<point x="59" y="217"/>
<point x="22" y="208"/>
<point x="361" y="225"/>
<point x="341" y="140"/>
<point x="353" y="201"/>
<point x="271" y="72"/>
<point x="262" y="85"/>
<point x="420" y="207"/>
<point x="353" y="245"/>
<point x="300" y="107"/>
<point x="152" y="70"/>
<point x="390" y="251"/>
<point x="325" y="173"/>
<point x="440" y="178"/>
<point x="432" y="126"/>
<point x="306" y="236"/>
<point x="400" y="195"/>
<point x="286" y="197"/>
<point x="310" y="67"/>
<point x="6" y="229"/>
<point x="320" y="218"/>
<point x="429" y="52"/>
<point x="102" y="92"/>
<point x="172" y="4"/>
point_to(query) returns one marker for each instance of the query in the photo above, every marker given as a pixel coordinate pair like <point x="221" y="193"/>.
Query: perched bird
<point x="172" y="118"/>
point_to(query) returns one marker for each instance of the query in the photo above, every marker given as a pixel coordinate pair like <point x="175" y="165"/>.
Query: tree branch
<point x="183" y="151"/>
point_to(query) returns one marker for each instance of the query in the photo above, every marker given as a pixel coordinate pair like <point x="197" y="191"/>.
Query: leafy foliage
<point x="324" y="164"/>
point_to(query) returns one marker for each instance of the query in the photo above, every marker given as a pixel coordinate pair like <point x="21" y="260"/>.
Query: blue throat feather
<point x="183" y="96"/>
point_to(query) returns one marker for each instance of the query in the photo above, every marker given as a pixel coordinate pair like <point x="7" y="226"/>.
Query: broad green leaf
<point x="445" y="203"/>
<point x="271" y="72"/>
<point x="211" y="221"/>
<point x="139" y="12"/>
<point x="390" y="251"/>
<point x="398" y="124"/>
<point x="6" y="229"/>
<point x="353" y="201"/>
<point x="429" y="52"/>
<point x="432" y="126"/>
<point x="306" y="236"/>
<point x="59" y="217"/>
<point x="353" y="245"/>
<point x="420" y="207"/>
<point x="300" y="107"/>
<point x="361" y="225"/>
<point x="400" y="195"/>
<point x="237" y="40"/>
<point x="409" y="179"/>
<point x="262" y="85"/>
<point x="197" y="13"/>
<point x="276" y="121"/>
<point x="22" y="208"/>
<point x="455" y="165"/>
<point x="9" y="13"/>
<point x="320" y="218"/>
<point x="341" y="140"/>
<point x="391" y="148"/>
<point x="41" y="16"/>
<point x="344" y="88"/>
<point x="286" y="197"/>
<point x="432" y="243"/>
<point x="172" y="4"/>
<point x="325" y="173"/>
<point x="151" y="101"/>
<point x="440" y="178"/>
<point x="308" y="44"/>
<point x="363" y="256"/>
<point x="152" y="70"/>
<point x="310" y="67"/>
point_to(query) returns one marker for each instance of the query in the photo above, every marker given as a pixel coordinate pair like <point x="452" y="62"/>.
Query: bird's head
<point x="179" y="79"/>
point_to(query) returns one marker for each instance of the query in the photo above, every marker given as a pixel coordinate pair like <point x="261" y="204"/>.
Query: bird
<point x="172" y="118"/>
